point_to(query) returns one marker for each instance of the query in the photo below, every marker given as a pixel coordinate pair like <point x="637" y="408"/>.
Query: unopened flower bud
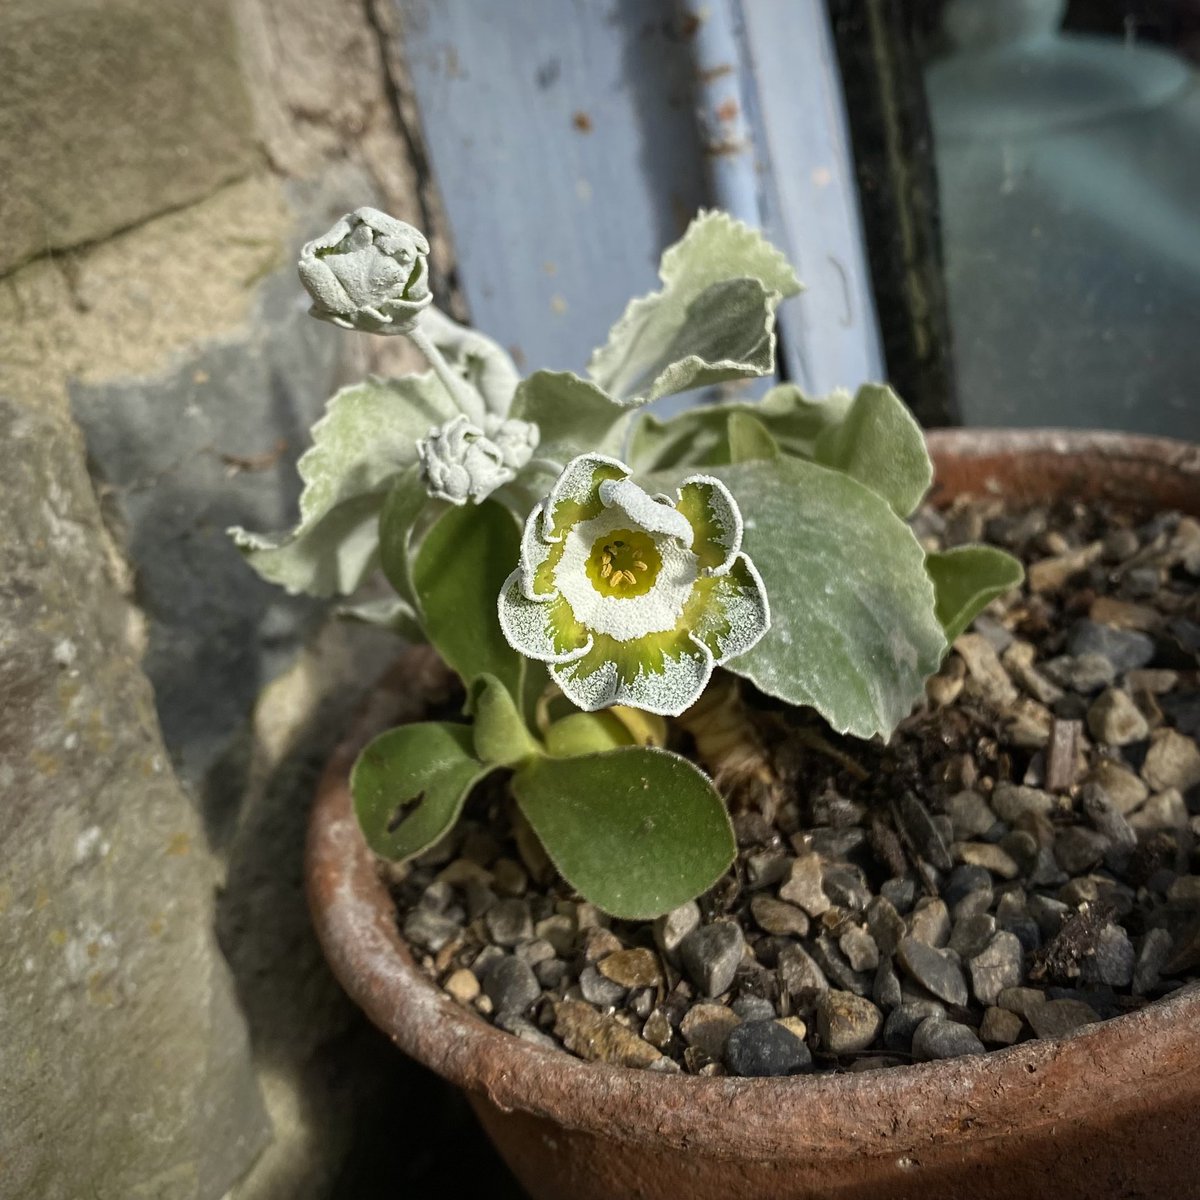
<point x="369" y="273"/>
<point x="516" y="440"/>
<point x="460" y="463"/>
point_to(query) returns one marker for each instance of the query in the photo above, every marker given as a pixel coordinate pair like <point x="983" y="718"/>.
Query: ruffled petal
<point x="716" y="522"/>
<point x="662" y="674"/>
<point x="734" y="613"/>
<point x="540" y="629"/>
<point x="536" y="584"/>
<point x="575" y="495"/>
<point x="644" y="511"/>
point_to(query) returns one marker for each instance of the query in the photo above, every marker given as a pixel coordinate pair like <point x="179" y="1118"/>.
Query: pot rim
<point x="893" y="1111"/>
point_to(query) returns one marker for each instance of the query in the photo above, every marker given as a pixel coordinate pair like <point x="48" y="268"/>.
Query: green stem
<point x="463" y="394"/>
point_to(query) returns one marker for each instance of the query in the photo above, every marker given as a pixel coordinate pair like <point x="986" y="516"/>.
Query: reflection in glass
<point x="1069" y="179"/>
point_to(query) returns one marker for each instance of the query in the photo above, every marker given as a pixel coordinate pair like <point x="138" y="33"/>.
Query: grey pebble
<point x="1048" y="913"/>
<point x="902" y="1023"/>
<point x="671" y="928"/>
<point x="511" y="985"/>
<point x="1124" y="649"/>
<point x="710" y="956"/>
<point x="509" y="922"/>
<point x="925" y="836"/>
<point x="804" y="885"/>
<point x="836" y="843"/>
<point x="1114" y="959"/>
<point x="1000" y="1027"/>
<point x="972" y="934"/>
<point x="859" y="948"/>
<point x="1107" y="819"/>
<point x="846" y="1023"/>
<point x="765" y="1048"/>
<point x="1078" y="849"/>
<point x="845" y="886"/>
<point x="705" y="1027"/>
<point x="836" y="966"/>
<point x="938" y="1038"/>
<point x="1054" y="1018"/>
<point x="933" y="970"/>
<point x="1012" y="801"/>
<point x="929" y="922"/>
<point x="1152" y="957"/>
<point x="754" y="1008"/>
<point x="551" y="973"/>
<point x="799" y="975"/>
<point x="998" y="966"/>
<point x="886" y="989"/>
<point x="1115" y="720"/>
<point x="1084" y="674"/>
<point x="526" y="1030"/>
<point x="430" y="930"/>
<point x="886" y="925"/>
<point x="599" y="990"/>
<point x="970" y="815"/>
<point x="901" y="894"/>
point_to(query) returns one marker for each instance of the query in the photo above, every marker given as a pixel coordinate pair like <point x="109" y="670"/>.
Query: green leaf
<point x="853" y="631"/>
<point x="713" y="320"/>
<point x="501" y="736"/>
<point x="587" y="733"/>
<point x="699" y="437"/>
<point x="404" y="504"/>
<point x="880" y="444"/>
<point x="366" y="438"/>
<point x="572" y="414"/>
<point x="483" y="362"/>
<point x="966" y="579"/>
<point x="636" y="831"/>
<point x="409" y="786"/>
<point x="390" y="612"/>
<point x="460" y="568"/>
<point x="749" y="439"/>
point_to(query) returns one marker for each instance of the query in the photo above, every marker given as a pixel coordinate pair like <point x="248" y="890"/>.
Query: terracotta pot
<point x="1110" y="1112"/>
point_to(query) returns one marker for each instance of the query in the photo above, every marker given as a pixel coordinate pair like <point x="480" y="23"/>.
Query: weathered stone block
<point x="114" y="110"/>
<point x="124" y="1060"/>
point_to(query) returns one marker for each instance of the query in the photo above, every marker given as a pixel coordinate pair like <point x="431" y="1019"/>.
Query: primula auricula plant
<point x="584" y="566"/>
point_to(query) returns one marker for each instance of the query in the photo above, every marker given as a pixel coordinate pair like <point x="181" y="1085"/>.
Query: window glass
<point x="1066" y="143"/>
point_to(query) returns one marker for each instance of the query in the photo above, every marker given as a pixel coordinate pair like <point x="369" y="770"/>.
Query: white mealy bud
<point x="369" y="273"/>
<point x="460" y="463"/>
<point x="516" y="440"/>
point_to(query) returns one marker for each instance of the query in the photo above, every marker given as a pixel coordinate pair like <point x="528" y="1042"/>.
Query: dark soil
<point x="1019" y="860"/>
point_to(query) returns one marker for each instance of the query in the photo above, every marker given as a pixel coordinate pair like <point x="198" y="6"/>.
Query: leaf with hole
<point x="409" y="786"/>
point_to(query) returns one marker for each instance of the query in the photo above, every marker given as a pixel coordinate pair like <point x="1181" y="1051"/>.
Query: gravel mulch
<point x="1020" y="860"/>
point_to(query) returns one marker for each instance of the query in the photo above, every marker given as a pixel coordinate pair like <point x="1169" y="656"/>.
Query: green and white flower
<point x="633" y="599"/>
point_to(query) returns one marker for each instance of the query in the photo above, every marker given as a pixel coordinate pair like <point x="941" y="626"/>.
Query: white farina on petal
<point x="624" y="617"/>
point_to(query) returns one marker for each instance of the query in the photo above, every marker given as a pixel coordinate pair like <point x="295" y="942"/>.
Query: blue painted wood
<point x="562" y="138"/>
<point x="571" y="140"/>
<point x="810" y="200"/>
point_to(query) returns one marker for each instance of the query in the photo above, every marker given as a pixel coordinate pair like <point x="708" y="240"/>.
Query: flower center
<point x="623" y="563"/>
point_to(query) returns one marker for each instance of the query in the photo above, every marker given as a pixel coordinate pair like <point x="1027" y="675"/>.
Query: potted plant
<point x="656" y="624"/>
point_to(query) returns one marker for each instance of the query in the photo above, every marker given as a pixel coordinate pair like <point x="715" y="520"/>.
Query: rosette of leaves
<point x="859" y="614"/>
